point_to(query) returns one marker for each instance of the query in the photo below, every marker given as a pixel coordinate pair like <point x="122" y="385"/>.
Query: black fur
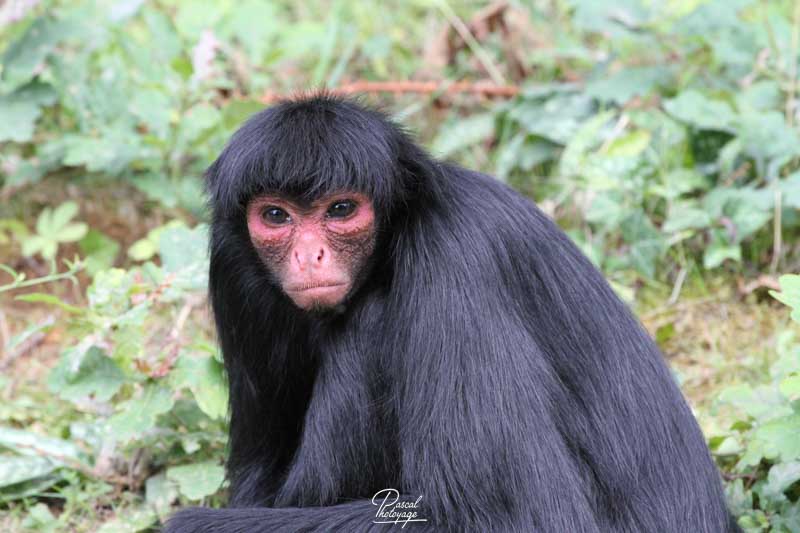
<point x="485" y="364"/>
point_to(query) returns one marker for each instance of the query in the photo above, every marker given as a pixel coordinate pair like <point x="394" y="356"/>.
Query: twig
<point x="74" y="464"/>
<point x="174" y="343"/>
<point x="5" y="331"/>
<point x="777" y="233"/>
<point x="472" y="43"/>
<point x="424" y="87"/>
<point x="19" y="281"/>
<point x="676" y="290"/>
<point x="28" y="345"/>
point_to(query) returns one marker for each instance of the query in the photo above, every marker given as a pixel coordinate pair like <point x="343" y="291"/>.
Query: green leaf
<point x="160" y="493"/>
<point x="71" y="232"/>
<point x="557" y="117"/>
<point x="607" y="209"/>
<point x="61" y="215"/>
<point x="628" y="83"/>
<point x="27" y="333"/>
<point x="647" y="244"/>
<point x="142" y="250"/>
<point x="766" y="135"/>
<point x="196" y="481"/>
<point x="181" y="247"/>
<point x="781" y="476"/>
<point x="779" y="438"/>
<point x="58" y="451"/>
<point x="39" y="297"/>
<point x="20" y="110"/>
<point x="463" y="133"/>
<point x="761" y="403"/>
<point x="98" y="377"/>
<point x="700" y="111"/>
<point x="790" y="387"/>
<point x="205" y="377"/>
<point x="130" y="520"/>
<point x="110" y="153"/>
<point x="630" y="145"/>
<point x="25" y="56"/>
<point x="719" y="250"/>
<point x="138" y="415"/>
<point x="790" y="294"/>
<point x="99" y="250"/>
<point x="686" y="215"/>
<point x="17" y="469"/>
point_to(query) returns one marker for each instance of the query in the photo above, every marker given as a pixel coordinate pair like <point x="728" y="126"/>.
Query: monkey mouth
<point x="317" y="295"/>
<point x="302" y="287"/>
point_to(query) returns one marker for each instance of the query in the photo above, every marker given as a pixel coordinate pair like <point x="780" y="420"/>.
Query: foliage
<point x="54" y="227"/>
<point x="681" y="144"/>
<point x="762" y="444"/>
<point x="156" y="115"/>
<point x="137" y="380"/>
<point x="662" y="135"/>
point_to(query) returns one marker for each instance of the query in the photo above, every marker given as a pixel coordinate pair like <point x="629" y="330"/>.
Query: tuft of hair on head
<point x="311" y="144"/>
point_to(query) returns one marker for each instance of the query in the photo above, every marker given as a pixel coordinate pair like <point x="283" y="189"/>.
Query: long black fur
<point x="485" y="364"/>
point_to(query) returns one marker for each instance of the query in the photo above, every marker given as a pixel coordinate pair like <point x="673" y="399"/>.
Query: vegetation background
<point x="664" y="137"/>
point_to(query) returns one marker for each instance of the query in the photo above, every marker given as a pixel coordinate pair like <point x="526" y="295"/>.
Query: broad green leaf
<point x="686" y="215"/>
<point x="557" y="118"/>
<point x="196" y="481"/>
<point x="131" y="520"/>
<point x="789" y="294"/>
<point x="32" y="444"/>
<point x="630" y="145"/>
<point x="17" y="469"/>
<point x="204" y="376"/>
<point x="142" y="250"/>
<point x="463" y="133"/>
<point x="98" y="377"/>
<point x="765" y="134"/>
<point x="99" y="250"/>
<point x="700" y="111"/>
<point x="71" y="232"/>
<point x="20" y="110"/>
<point x="185" y="252"/>
<point x="607" y="209"/>
<point x="647" y="244"/>
<point x="790" y="387"/>
<point x="138" y="415"/>
<point x="628" y="83"/>
<point x="61" y="216"/>
<point x="110" y="153"/>
<point x="779" y="438"/>
<point x="760" y="403"/>
<point x="584" y="139"/>
<point x="718" y="251"/>
<point x="160" y="493"/>
<point x="26" y="55"/>
<point x="41" y="519"/>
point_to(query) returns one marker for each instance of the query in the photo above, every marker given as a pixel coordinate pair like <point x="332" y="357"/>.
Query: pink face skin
<point x="314" y="251"/>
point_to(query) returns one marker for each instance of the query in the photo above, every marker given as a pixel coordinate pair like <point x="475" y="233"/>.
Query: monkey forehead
<point x="307" y="149"/>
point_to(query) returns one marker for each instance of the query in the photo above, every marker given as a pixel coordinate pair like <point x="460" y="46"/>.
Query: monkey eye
<point x="275" y="215"/>
<point x="341" y="209"/>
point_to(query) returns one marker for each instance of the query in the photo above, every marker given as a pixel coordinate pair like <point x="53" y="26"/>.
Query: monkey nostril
<point x="320" y="255"/>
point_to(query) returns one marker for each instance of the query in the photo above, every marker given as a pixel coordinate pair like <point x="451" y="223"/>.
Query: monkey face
<point x="314" y="251"/>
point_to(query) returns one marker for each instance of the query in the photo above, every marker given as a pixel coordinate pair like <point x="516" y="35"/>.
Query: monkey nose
<point x="310" y="258"/>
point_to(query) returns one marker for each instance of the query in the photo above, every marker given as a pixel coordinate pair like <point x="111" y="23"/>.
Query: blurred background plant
<point x="663" y="136"/>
